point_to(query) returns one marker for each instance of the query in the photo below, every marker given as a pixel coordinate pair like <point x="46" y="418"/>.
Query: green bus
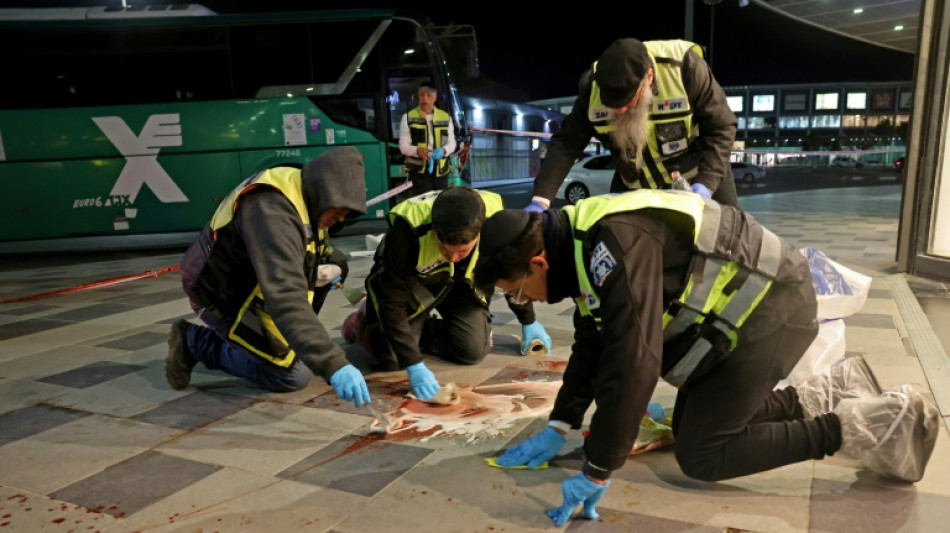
<point x="124" y="127"/>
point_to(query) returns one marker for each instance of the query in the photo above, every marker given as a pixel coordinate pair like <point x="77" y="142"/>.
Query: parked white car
<point x="588" y="177"/>
<point x="747" y="172"/>
<point x="846" y="161"/>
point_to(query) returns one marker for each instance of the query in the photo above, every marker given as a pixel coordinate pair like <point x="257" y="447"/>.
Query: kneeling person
<point x="671" y="285"/>
<point x="258" y="275"/>
<point x="425" y="264"/>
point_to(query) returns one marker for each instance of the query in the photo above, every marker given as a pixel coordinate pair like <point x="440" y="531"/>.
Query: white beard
<point x="629" y="133"/>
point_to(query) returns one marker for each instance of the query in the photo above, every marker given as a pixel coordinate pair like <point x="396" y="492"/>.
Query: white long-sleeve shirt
<point x="408" y="148"/>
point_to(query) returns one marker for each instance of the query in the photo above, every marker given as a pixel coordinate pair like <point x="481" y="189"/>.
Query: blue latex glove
<point x="534" y="207"/>
<point x="532" y="331"/>
<point x="533" y="451"/>
<point x="438" y="153"/>
<point x="422" y="380"/>
<point x="578" y="490"/>
<point x="335" y="284"/>
<point x="701" y="190"/>
<point x="350" y="385"/>
<point x="431" y="165"/>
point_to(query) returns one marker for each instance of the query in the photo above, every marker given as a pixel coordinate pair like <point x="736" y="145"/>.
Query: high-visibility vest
<point x="417" y="211"/>
<point x="734" y="264"/>
<point x="254" y="328"/>
<point x="419" y="132"/>
<point x="671" y="127"/>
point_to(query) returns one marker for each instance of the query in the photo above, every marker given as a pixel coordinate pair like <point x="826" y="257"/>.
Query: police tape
<point x="388" y="194"/>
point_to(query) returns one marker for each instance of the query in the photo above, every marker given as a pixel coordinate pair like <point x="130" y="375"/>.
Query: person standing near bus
<point x="258" y="274"/>
<point x="425" y="264"/>
<point x="658" y="109"/>
<point x="427" y="138"/>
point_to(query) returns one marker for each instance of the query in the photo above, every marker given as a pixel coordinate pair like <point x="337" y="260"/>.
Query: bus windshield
<point x="127" y="126"/>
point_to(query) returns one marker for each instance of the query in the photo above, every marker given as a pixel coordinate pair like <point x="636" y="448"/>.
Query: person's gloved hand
<point x="578" y="490"/>
<point x="350" y="385"/>
<point x="335" y="283"/>
<point x="438" y="153"/>
<point x="701" y="190"/>
<point x="328" y="274"/>
<point x="535" y="207"/>
<point x="533" y="451"/>
<point x="532" y="331"/>
<point x="431" y="165"/>
<point x="422" y="380"/>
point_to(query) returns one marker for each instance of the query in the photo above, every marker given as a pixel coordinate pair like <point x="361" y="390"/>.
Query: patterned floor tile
<point x="15" y="425"/>
<point x="90" y="312"/>
<point x="92" y="374"/>
<point x="134" y="484"/>
<point x="195" y="410"/>
<point x="136" y="341"/>
<point x="28" y="327"/>
<point x="359" y="465"/>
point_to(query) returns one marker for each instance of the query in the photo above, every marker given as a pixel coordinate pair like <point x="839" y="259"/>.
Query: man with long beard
<point x="658" y="109"/>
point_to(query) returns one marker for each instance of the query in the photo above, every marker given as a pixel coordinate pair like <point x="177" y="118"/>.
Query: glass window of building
<point x="905" y="99"/>
<point x="740" y="123"/>
<point x="857" y="100"/>
<point x="826" y="101"/>
<point x="853" y="121"/>
<point x="735" y="103"/>
<point x="874" y="120"/>
<point x="763" y="103"/>
<point x="826" y="121"/>
<point x="882" y="100"/>
<point x="795" y="102"/>
<point x="793" y="122"/>
<point x="758" y="123"/>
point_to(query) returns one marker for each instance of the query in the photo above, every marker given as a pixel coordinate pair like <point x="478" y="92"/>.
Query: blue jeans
<point x="211" y="347"/>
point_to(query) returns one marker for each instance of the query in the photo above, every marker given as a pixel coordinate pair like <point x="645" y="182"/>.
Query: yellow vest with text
<point x="670" y="125"/>
<point x="419" y="131"/>
<point x="417" y="211"/>
<point x="254" y="328"/>
<point x="724" y="286"/>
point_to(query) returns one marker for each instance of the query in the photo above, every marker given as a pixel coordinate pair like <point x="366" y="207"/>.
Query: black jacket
<point x="618" y="365"/>
<point x="710" y="150"/>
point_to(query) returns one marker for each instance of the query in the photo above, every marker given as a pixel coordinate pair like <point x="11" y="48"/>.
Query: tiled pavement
<point x="93" y="439"/>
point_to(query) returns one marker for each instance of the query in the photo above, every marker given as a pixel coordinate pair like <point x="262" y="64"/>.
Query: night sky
<point x="543" y="53"/>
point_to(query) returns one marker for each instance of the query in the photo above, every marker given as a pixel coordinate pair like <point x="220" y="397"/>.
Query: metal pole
<point x="688" y="23"/>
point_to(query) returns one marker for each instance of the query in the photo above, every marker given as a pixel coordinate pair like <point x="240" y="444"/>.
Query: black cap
<point x="500" y="230"/>
<point x="457" y="209"/>
<point x="619" y="71"/>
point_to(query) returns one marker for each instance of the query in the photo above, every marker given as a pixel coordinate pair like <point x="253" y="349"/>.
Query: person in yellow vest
<point x="425" y="264"/>
<point x="671" y="285"/>
<point x="427" y="138"/>
<point x="658" y="109"/>
<point x="258" y="273"/>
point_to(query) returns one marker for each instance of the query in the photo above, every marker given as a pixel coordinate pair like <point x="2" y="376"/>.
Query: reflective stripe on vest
<point x="719" y="290"/>
<point x="670" y="128"/>
<point x="254" y="328"/>
<point x="416" y="121"/>
<point x="417" y="211"/>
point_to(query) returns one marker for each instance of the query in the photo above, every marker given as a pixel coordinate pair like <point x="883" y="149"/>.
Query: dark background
<point x="542" y="49"/>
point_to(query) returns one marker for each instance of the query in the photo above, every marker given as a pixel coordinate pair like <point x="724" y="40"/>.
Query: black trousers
<point x="426" y="182"/>
<point x="460" y="336"/>
<point x="730" y="422"/>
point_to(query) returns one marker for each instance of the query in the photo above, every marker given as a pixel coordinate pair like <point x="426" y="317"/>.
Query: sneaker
<point x="180" y="361"/>
<point x="351" y="326"/>
<point x="893" y="434"/>
<point x="849" y="378"/>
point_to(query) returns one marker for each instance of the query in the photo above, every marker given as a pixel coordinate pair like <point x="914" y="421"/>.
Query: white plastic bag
<point x="840" y="291"/>
<point x="826" y="350"/>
